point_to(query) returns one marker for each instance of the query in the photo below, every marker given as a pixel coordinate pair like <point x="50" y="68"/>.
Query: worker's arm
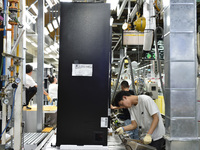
<point x="45" y="93"/>
<point x="129" y="127"/>
<point x="148" y="139"/>
<point x="115" y="107"/>
<point x="154" y="123"/>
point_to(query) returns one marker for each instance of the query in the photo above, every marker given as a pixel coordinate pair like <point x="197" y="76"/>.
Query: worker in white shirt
<point x="31" y="86"/>
<point x="144" y="114"/>
<point x="53" y="88"/>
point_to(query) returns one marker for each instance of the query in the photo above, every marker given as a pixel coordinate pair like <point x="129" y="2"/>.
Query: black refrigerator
<point x="84" y="74"/>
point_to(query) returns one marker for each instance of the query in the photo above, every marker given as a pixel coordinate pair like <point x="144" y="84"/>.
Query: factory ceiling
<point x="52" y="38"/>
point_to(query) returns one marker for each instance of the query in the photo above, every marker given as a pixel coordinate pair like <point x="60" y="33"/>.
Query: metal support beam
<point x="40" y="65"/>
<point x="181" y="73"/>
<point x="20" y="93"/>
<point x="135" y="9"/>
<point x="121" y="9"/>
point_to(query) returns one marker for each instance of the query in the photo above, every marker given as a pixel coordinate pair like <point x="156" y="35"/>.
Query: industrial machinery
<point x="140" y="23"/>
<point x="152" y="89"/>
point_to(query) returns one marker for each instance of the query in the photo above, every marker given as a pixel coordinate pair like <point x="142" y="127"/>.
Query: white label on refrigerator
<point x="104" y="122"/>
<point x="82" y="70"/>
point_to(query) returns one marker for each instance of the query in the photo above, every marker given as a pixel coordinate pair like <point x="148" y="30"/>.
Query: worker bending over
<point x="124" y="114"/>
<point x="144" y="114"/>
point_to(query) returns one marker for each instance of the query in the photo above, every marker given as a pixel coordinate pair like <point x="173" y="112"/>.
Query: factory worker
<point x="145" y="115"/>
<point x="124" y="114"/>
<point x="31" y="86"/>
<point x="53" y="88"/>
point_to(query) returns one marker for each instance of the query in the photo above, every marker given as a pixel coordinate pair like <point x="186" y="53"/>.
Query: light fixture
<point x="46" y="32"/>
<point x="56" y="1"/>
<point x="65" y="0"/>
<point x="28" y="40"/>
<point x="27" y="26"/>
<point x="45" y="52"/>
<point x="34" y="9"/>
<point x="55" y="59"/>
<point x="49" y="3"/>
<point x="111" y="21"/>
<point x="52" y="48"/>
<point x="45" y="9"/>
<point x="51" y="56"/>
<point x="55" y="24"/>
<point x="134" y="49"/>
<point x="58" y="19"/>
<point x="50" y="27"/>
<point x="35" y="45"/>
<point x="56" y="45"/>
<point x="166" y="3"/>
<point x="113" y="4"/>
<point x="30" y="16"/>
<point x="48" y="49"/>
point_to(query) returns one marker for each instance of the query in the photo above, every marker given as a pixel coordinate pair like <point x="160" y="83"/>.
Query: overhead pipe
<point x="119" y="74"/>
<point x="158" y="59"/>
<point x="4" y="38"/>
<point x="135" y="9"/>
<point x="121" y="9"/>
<point x="17" y="68"/>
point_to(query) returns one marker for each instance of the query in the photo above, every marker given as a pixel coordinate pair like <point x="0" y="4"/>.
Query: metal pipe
<point x="132" y="77"/>
<point x="118" y="77"/>
<point x="129" y="9"/>
<point x="18" y="15"/>
<point x="4" y="108"/>
<point x="117" y="44"/>
<point x="115" y="89"/>
<point x="12" y="63"/>
<point x="4" y="38"/>
<point x="40" y="65"/>
<point x="17" y="41"/>
<point x="158" y="59"/>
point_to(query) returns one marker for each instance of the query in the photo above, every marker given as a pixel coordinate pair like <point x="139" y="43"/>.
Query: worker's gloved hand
<point x="147" y="139"/>
<point x="120" y="130"/>
<point x="49" y="99"/>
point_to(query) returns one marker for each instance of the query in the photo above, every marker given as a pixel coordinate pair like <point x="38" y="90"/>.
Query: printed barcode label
<point x="104" y="122"/>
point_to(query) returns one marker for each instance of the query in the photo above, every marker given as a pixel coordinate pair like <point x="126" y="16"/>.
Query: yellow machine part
<point x="126" y="61"/>
<point x="161" y="104"/>
<point x="129" y="26"/>
<point x="140" y="23"/>
<point x="47" y="129"/>
<point x="157" y="5"/>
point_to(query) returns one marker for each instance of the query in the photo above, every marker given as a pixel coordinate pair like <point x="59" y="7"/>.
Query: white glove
<point x="147" y="139"/>
<point x="120" y="130"/>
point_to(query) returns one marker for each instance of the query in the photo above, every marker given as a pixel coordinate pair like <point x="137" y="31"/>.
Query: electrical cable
<point x="10" y="115"/>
